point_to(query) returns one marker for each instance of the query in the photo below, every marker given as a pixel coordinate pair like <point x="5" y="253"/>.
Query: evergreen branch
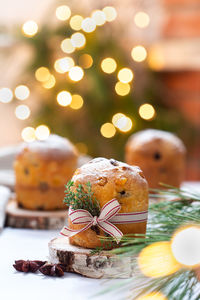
<point x="97" y="250"/>
<point x="79" y="198"/>
<point x="164" y="218"/>
<point x="176" y="192"/>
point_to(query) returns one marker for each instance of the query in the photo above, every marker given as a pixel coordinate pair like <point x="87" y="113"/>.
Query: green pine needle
<point x="81" y="198"/>
<point x="164" y="219"/>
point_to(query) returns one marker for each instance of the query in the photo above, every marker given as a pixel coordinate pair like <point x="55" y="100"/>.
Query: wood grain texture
<point x="81" y="261"/>
<point x="22" y="218"/>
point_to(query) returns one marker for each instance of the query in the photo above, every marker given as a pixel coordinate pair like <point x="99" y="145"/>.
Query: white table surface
<point x="33" y="244"/>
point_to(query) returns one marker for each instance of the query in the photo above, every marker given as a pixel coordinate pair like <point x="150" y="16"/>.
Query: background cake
<point x="160" y="155"/>
<point x="111" y="179"/>
<point x="42" y="169"/>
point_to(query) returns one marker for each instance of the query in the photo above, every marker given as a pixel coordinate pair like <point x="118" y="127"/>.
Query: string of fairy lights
<point x="75" y="72"/>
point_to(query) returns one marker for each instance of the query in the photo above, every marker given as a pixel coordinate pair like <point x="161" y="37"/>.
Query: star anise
<point x="28" y="265"/>
<point x="56" y="270"/>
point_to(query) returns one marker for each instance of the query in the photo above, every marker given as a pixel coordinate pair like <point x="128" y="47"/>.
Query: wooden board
<point x="80" y="260"/>
<point x="23" y="218"/>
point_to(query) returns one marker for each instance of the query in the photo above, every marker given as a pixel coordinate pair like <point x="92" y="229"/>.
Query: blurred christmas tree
<point x="89" y="88"/>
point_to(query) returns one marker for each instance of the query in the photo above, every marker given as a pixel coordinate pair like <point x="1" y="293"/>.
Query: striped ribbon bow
<point x="106" y="220"/>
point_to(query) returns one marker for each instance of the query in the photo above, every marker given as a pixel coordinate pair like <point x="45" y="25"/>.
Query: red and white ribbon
<point x="106" y="220"/>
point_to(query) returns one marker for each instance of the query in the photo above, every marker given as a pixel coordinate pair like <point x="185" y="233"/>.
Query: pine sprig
<point x="164" y="218"/>
<point x="181" y="285"/>
<point x="169" y="190"/>
<point x="81" y="198"/>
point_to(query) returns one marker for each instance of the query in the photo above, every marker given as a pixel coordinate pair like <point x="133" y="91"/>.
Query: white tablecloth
<point x="33" y="244"/>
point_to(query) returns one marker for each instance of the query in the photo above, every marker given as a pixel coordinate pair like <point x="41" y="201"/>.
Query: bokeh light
<point x="63" y="65"/>
<point x="22" y="112"/>
<point x="85" y="61"/>
<point x="141" y="19"/>
<point x="108" y="130"/>
<point x="88" y="25"/>
<point x="6" y="95"/>
<point x="108" y="65"/>
<point x="76" y="73"/>
<point x="64" y="98"/>
<point x="99" y="17"/>
<point x="78" y="40"/>
<point x="42" y="132"/>
<point x="122" y="122"/>
<point x="152" y="296"/>
<point x="125" y="75"/>
<point x="22" y="92"/>
<point x="66" y="46"/>
<point x="30" y="28"/>
<point x="75" y="22"/>
<point x="157" y="260"/>
<point x="63" y="12"/>
<point x="77" y="102"/>
<point x="122" y="89"/>
<point x="42" y="74"/>
<point x="116" y="117"/>
<point x="147" y="111"/>
<point x="50" y="83"/>
<point x="185" y="246"/>
<point x="28" y="134"/>
<point x="156" y="59"/>
<point x="110" y="13"/>
<point x="139" y="53"/>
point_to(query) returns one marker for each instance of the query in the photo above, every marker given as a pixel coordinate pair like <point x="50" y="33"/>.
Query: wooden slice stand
<point x="80" y="260"/>
<point x="24" y="218"/>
